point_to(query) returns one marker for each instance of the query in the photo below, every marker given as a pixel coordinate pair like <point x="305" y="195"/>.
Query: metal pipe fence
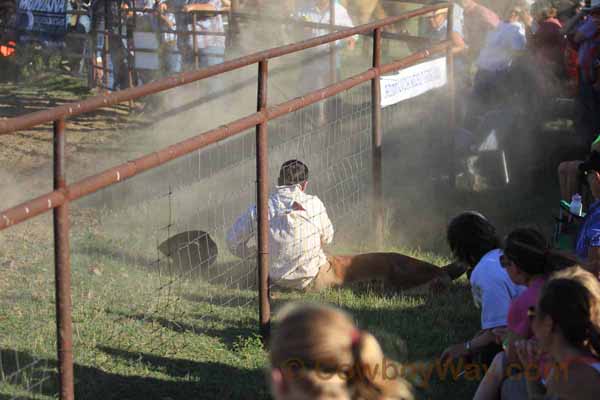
<point x="64" y="194"/>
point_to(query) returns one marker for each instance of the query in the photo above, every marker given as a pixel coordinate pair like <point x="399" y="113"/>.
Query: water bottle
<point x="576" y="206"/>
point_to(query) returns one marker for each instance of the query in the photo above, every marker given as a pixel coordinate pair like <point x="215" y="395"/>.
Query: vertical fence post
<point x="195" y="39"/>
<point x="105" y="48"/>
<point x="376" y="141"/>
<point x="93" y="71"/>
<point x="233" y="27"/>
<point x="451" y="94"/>
<point x="332" y="45"/>
<point x="62" y="268"/>
<point x="130" y="54"/>
<point x="262" y="197"/>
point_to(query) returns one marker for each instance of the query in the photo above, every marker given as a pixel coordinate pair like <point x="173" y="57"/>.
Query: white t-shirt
<point x="313" y="14"/>
<point x="493" y="290"/>
<point x="500" y="44"/>
<point x="298" y="227"/>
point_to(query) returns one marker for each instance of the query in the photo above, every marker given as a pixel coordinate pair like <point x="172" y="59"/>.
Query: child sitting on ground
<point x="528" y="260"/>
<point x="473" y="240"/>
<point x="566" y="324"/>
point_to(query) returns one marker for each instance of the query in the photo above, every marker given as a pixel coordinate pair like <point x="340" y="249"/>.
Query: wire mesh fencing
<point x="333" y="138"/>
<point x="155" y="286"/>
<point x="161" y="295"/>
<point x="27" y="315"/>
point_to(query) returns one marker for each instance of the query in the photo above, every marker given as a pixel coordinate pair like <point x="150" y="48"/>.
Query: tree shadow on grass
<point x="211" y="380"/>
<point x="187" y="379"/>
<point x="229" y="335"/>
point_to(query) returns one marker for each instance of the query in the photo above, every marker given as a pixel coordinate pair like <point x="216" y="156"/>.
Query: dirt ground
<point x="26" y="156"/>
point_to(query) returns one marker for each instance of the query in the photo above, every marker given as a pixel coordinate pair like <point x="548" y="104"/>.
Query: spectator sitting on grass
<point x="473" y="240"/>
<point x="566" y="324"/>
<point x="528" y="260"/>
<point x="318" y="353"/>
<point x="299" y="227"/>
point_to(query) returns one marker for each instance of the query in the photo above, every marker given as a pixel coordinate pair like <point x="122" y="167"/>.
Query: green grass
<point x="145" y="331"/>
<point x="142" y="334"/>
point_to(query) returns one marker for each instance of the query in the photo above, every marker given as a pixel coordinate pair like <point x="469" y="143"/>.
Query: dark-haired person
<point x="528" y="260"/>
<point x="473" y="240"/>
<point x="299" y="227"/>
<point x="566" y="324"/>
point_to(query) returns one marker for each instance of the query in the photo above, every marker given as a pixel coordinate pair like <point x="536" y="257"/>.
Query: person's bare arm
<point x="580" y="382"/>
<point x="509" y="345"/>
<point x="593" y="261"/>
<point x="458" y="42"/>
<point x="477" y="343"/>
<point x="165" y="19"/>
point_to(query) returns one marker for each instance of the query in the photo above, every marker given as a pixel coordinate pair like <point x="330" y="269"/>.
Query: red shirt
<point x="548" y="43"/>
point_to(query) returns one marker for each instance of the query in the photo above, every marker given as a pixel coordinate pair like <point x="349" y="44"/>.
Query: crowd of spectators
<point x="160" y="32"/>
<point x="538" y="307"/>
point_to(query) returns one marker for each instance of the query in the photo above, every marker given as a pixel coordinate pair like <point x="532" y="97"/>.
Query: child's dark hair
<point x="532" y="254"/>
<point x="292" y="172"/>
<point x="572" y="299"/>
<point x="470" y="236"/>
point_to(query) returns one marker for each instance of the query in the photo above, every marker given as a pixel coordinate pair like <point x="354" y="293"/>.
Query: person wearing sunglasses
<point x="566" y="325"/>
<point x="528" y="260"/>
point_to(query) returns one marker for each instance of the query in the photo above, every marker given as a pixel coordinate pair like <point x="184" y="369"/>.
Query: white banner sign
<point x="413" y="81"/>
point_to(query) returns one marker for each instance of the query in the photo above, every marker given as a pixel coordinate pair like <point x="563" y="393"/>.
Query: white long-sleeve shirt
<point x="298" y="227"/>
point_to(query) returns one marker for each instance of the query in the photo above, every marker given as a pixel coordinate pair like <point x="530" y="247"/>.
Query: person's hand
<point x="468" y="4"/>
<point x="526" y="18"/>
<point x="500" y="333"/>
<point x="350" y="43"/>
<point x="487" y="335"/>
<point x="454" y="351"/>
<point x="528" y="351"/>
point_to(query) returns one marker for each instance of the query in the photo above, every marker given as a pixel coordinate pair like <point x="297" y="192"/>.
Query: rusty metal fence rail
<point x="63" y="194"/>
